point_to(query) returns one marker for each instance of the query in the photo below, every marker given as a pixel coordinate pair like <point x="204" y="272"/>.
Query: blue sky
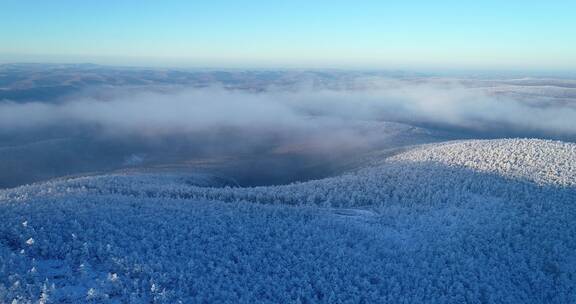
<point x="483" y="34"/>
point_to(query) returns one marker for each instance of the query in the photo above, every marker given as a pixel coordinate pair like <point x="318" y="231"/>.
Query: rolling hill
<point x="481" y="221"/>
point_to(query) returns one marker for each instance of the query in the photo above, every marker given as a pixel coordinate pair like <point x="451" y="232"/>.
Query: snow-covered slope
<point x="471" y="221"/>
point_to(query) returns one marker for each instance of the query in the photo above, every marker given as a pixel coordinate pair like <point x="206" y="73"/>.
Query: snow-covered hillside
<point x="457" y="222"/>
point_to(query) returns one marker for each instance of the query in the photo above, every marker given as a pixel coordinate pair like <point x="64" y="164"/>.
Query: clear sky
<point x="499" y="34"/>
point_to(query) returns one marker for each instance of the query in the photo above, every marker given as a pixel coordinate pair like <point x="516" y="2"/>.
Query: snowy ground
<point x="457" y="222"/>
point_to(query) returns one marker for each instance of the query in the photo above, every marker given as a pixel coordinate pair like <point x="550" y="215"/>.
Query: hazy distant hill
<point x="49" y="82"/>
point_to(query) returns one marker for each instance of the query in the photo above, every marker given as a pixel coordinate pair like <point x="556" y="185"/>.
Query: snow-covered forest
<point x="478" y="221"/>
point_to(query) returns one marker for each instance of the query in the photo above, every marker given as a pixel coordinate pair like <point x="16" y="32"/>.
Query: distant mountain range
<point x="50" y="82"/>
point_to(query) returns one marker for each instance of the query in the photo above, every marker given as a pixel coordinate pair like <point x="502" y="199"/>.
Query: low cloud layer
<point x="295" y="112"/>
<point x="271" y="137"/>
